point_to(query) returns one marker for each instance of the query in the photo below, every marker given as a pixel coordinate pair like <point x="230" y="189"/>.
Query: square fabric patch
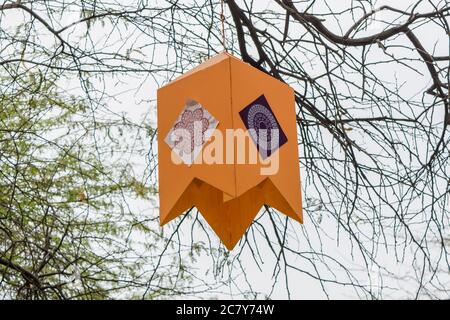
<point x="190" y="132"/>
<point x="263" y="126"/>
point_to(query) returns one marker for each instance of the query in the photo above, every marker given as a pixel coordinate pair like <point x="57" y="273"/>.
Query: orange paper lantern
<point x="226" y="96"/>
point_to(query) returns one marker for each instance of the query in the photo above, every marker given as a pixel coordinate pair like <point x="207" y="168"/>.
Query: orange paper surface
<point x="228" y="195"/>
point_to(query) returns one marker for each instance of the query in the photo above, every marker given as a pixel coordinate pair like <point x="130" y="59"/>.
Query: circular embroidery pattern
<point x="190" y="131"/>
<point x="263" y="127"/>
<point x="261" y="122"/>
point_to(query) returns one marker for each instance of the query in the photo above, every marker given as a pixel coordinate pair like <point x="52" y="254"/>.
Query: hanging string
<point x="222" y="20"/>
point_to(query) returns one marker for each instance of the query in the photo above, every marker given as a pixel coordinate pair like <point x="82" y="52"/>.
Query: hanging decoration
<point x="227" y="144"/>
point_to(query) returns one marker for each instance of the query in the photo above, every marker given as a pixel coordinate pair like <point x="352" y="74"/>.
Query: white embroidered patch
<point x="190" y="132"/>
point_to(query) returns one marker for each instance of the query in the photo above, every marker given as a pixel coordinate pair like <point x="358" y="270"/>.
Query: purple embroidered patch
<point x="263" y="126"/>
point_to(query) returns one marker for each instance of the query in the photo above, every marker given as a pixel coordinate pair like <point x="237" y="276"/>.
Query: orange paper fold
<point x="228" y="195"/>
